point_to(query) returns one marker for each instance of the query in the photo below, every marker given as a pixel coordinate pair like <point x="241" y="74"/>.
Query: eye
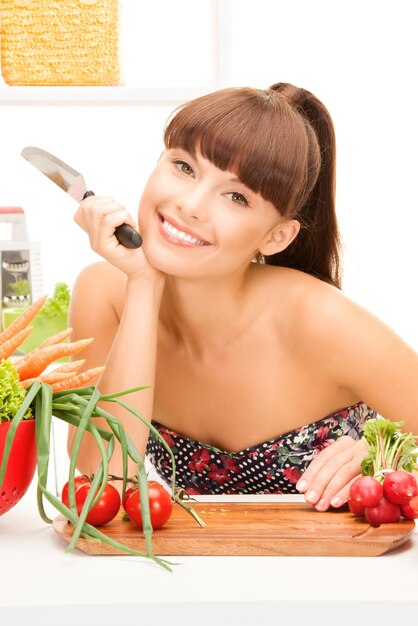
<point x="238" y="198"/>
<point x="183" y="167"/>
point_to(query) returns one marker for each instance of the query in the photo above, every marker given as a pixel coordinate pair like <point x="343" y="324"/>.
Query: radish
<point x="356" y="508"/>
<point x="385" y="512"/>
<point x="366" y="491"/>
<point x="408" y="512"/>
<point x="399" y="487"/>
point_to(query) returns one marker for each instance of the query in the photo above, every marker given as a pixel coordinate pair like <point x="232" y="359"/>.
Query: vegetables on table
<point x="387" y="489"/>
<point x="386" y="512"/>
<point x="57" y="338"/>
<point x="399" y="487"/>
<point x="58" y="303"/>
<point x="22" y="321"/>
<point x="8" y="347"/>
<point x="51" y="317"/>
<point x="106" y="507"/>
<point x="366" y="491"/>
<point x="12" y="394"/>
<point x="79" y="380"/>
<point x="34" y="366"/>
<point x="50" y="378"/>
<point x="76" y="405"/>
<point x="160" y="505"/>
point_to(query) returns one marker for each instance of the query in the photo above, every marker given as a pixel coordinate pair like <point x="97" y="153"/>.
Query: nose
<point x="193" y="203"/>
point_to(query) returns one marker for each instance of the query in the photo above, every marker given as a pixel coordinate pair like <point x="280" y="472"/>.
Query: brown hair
<point x="280" y="143"/>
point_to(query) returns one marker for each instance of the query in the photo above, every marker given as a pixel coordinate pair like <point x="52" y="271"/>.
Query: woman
<point x="262" y="372"/>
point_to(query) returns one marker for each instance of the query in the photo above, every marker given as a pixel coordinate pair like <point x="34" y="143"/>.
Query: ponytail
<point x="316" y="249"/>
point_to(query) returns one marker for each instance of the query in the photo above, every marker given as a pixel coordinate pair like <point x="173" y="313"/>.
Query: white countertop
<point x="56" y="585"/>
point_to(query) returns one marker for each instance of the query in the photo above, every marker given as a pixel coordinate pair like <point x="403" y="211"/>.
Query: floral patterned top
<point x="274" y="466"/>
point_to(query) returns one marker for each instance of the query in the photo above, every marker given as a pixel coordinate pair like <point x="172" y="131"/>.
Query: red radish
<point x="413" y="503"/>
<point x="399" y="487"/>
<point x="408" y="512"/>
<point x="356" y="508"/>
<point x="385" y="512"/>
<point x="366" y="491"/>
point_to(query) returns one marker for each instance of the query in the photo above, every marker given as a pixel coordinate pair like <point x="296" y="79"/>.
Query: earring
<point x="259" y="258"/>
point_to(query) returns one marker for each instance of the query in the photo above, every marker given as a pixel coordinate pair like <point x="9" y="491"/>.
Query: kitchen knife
<point x="73" y="183"/>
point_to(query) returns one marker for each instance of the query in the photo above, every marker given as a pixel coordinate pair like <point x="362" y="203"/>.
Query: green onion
<point x="77" y="408"/>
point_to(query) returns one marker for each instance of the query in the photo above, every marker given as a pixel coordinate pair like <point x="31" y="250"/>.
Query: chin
<point x="164" y="262"/>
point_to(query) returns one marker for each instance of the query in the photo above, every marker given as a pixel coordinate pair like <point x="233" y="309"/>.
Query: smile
<point x="175" y="235"/>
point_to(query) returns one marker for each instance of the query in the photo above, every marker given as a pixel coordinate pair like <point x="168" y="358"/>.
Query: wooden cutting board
<point x="252" y="528"/>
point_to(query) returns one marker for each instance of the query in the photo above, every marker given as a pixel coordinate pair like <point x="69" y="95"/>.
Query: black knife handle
<point x="125" y="234"/>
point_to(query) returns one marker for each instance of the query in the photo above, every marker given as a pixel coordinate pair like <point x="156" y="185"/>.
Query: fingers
<point x="99" y="217"/>
<point x="328" y="478"/>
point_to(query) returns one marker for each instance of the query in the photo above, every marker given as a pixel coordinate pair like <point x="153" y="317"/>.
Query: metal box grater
<point x="21" y="280"/>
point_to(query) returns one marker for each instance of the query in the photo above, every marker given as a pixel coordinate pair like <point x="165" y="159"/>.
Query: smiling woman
<point x="243" y="359"/>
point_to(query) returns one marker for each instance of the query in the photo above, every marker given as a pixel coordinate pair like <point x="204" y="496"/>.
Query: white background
<point x="359" y="57"/>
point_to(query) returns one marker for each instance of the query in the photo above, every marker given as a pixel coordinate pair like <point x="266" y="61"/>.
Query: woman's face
<point x="199" y="221"/>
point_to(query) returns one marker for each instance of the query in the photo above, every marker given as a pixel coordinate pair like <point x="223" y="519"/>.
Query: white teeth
<point x="179" y="234"/>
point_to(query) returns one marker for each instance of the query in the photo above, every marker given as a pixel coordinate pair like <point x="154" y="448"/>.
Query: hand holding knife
<point x="73" y="183"/>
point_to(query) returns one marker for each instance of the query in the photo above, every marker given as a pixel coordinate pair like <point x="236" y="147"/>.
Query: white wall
<point x="359" y="57"/>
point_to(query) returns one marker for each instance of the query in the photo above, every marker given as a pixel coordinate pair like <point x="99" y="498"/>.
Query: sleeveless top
<point x="274" y="466"/>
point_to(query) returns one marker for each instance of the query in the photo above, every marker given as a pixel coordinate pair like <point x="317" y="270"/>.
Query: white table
<point x="42" y="584"/>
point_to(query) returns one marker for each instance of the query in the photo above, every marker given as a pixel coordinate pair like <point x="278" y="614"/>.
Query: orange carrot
<point x="50" y="378"/>
<point x="49" y="341"/>
<point x="71" y="366"/>
<point x="9" y="346"/>
<point x="41" y="358"/>
<point x="80" y="380"/>
<point x="23" y="320"/>
<point x="58" y="338"/>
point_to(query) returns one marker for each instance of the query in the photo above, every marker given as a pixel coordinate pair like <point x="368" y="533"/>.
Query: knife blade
<point x="72" y="182"/>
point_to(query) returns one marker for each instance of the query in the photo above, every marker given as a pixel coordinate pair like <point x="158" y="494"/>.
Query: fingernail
<point x="311" y="496"/>
<point x="336" y="502"/>
<point x="301" y="485"/>
<point x="321" y="505"/>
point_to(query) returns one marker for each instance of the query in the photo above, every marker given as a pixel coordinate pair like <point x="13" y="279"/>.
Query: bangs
<point x="252" y="133"/>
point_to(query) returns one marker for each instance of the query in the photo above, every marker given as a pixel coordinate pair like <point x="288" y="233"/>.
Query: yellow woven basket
<point x="60" y="42"/>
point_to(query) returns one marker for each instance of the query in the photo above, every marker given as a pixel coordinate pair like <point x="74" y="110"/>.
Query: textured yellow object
<point x="60" y="42"/>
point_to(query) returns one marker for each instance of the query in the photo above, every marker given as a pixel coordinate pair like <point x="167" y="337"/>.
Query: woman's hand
<point x="328" y="477"/>
<point x="99" y="217"/>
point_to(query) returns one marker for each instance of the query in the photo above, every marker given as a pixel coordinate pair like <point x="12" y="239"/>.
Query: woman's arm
<point x="118" y="304"/>
<point x="360" y="353"/>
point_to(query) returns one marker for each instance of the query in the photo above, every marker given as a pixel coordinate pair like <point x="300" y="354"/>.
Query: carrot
<point x="49" y="341"/>
<point x="50" y="378"/>
<point x="58" y="338"/>
<point x="80" y="380"/>
<point x="9" y="346"/>
<point x="71" y="366"/>
<point x="41" y="358"/>
<point x="23" y="320"/>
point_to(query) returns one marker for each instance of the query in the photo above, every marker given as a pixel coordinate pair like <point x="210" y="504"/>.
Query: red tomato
<point x="127" y="494"/>
<point x="78" y="480"/>
<point x="160" y="503"/>
<point x="103" y="511"/>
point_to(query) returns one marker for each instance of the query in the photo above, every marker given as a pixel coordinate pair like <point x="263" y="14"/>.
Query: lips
<point x="180" y="235"/>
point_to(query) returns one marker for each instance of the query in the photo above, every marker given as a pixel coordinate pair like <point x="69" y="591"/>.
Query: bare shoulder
<point x="321" y="320"/>
<point x="104" y="282"/>
<point x="97" y="302"/>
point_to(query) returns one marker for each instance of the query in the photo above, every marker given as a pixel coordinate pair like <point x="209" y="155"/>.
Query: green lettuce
<point x="58" y="303"/>
<point x="11" y="393"/>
